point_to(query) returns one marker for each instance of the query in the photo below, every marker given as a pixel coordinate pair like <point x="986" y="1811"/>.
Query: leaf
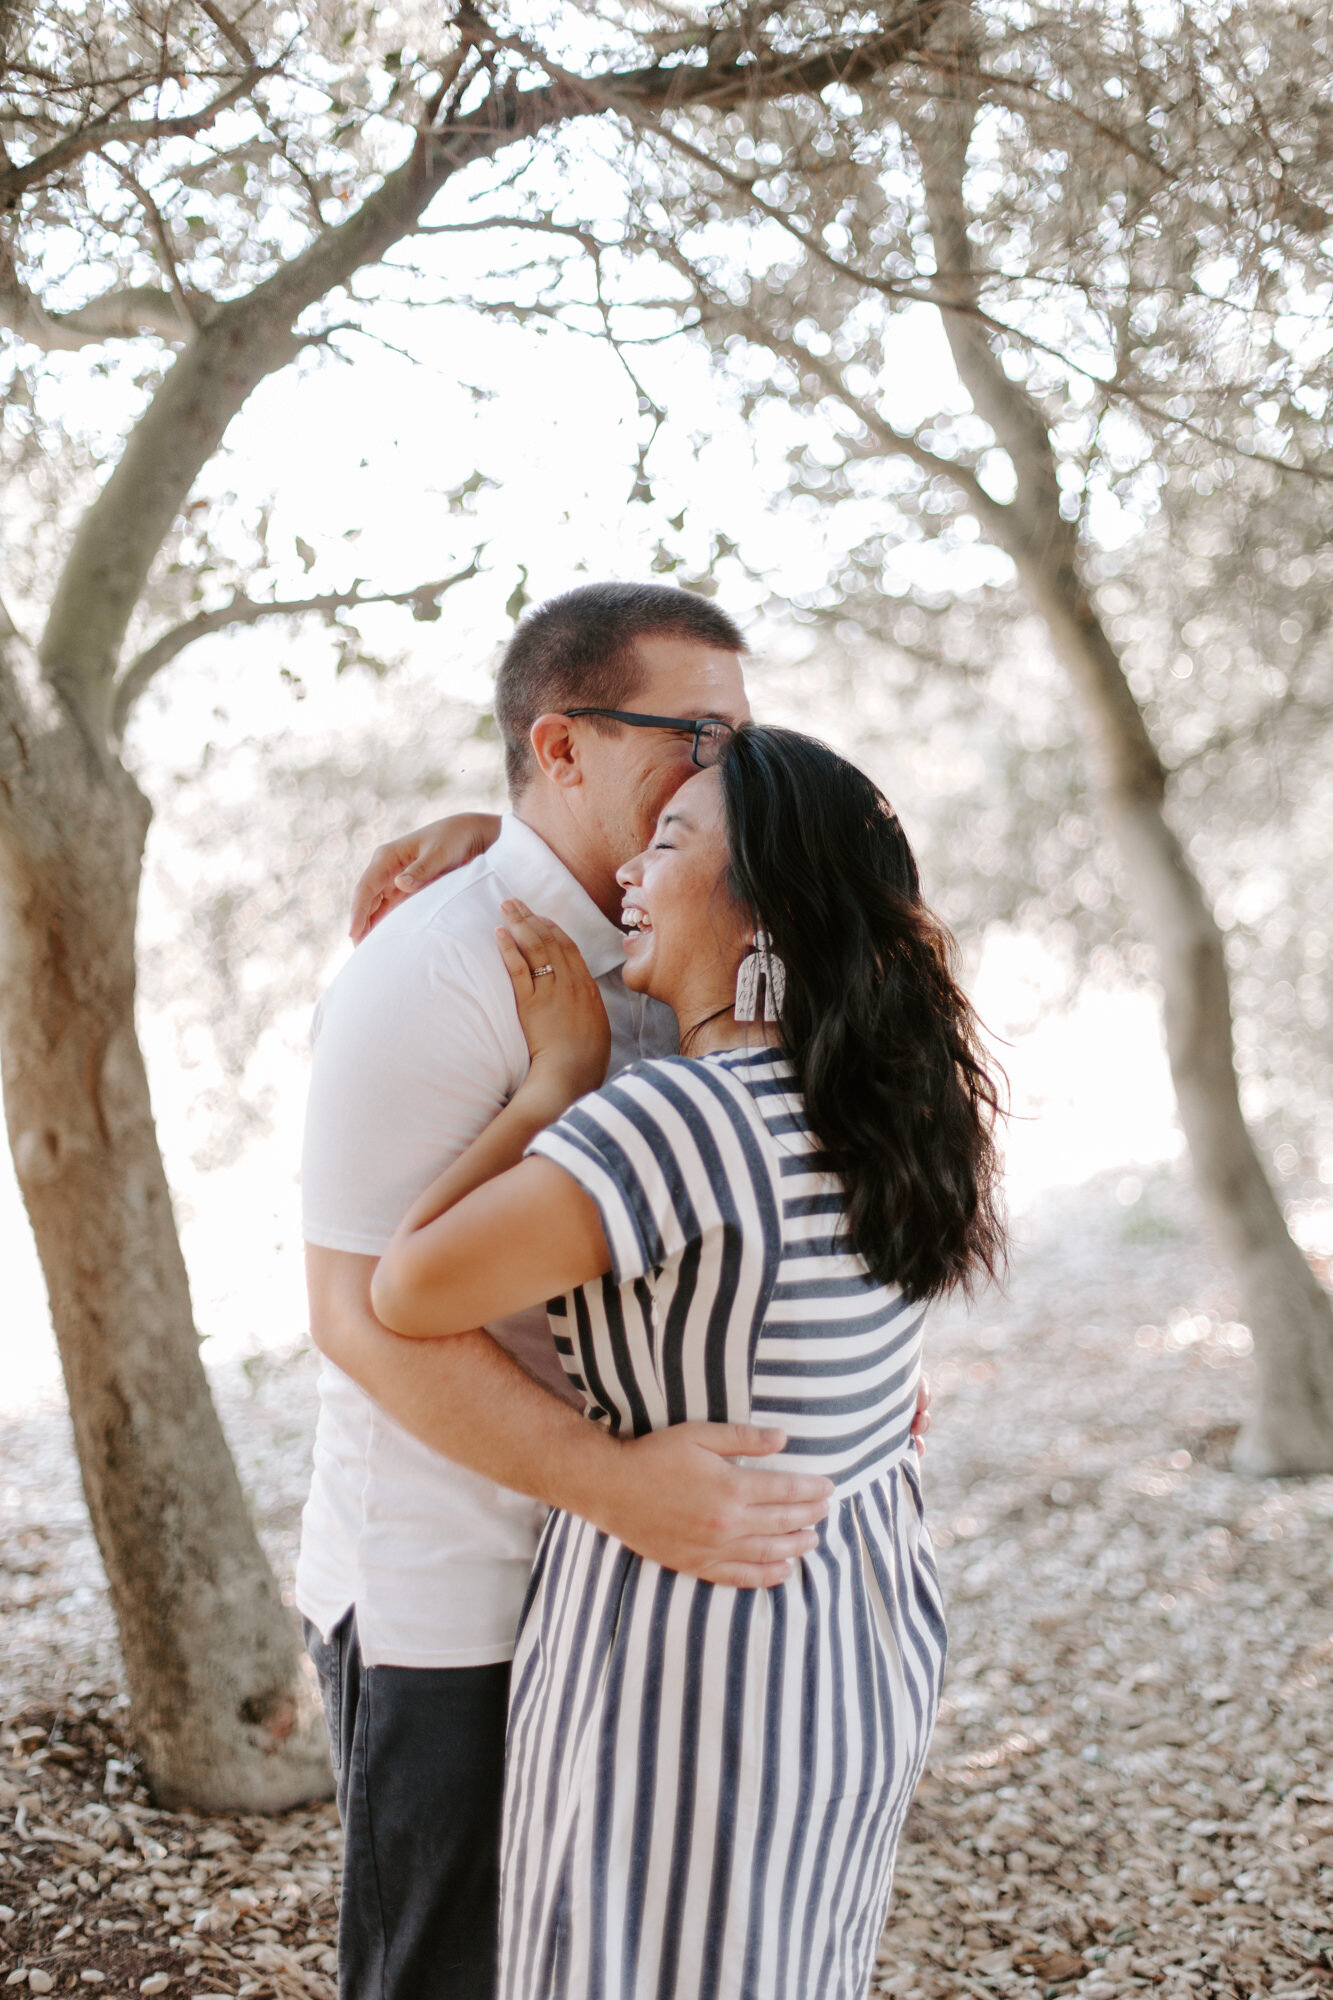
<point x="460" y="498"/>
<point x="1054" y="1968"/>
<point x="518" y="600"/>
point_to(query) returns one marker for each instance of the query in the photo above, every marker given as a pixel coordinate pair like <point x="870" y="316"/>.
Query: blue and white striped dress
<point x="705" y="1786"/>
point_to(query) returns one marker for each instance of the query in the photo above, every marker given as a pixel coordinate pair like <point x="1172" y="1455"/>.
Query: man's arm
<point x="671" y="1496"/>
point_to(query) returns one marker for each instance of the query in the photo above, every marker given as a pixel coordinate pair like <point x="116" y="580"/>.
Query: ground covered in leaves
<point x="1130" y="1788"/>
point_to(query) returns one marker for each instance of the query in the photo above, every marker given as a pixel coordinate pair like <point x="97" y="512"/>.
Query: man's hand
<point x="678" y="1500"/>
<point x="921" y="1421"/>
<point x="672" y="1496"/>
<point x="400" y="867"/>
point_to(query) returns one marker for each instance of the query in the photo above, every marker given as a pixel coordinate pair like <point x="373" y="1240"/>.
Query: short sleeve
<point x="663" y="1150"/>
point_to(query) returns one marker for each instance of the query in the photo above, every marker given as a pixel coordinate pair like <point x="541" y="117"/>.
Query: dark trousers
<point x="418" y="1753"/>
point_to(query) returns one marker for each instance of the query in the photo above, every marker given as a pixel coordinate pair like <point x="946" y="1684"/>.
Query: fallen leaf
<point x="1055" y="1967"/>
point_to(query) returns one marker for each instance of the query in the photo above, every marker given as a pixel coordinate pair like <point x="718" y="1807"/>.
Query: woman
<point x="705" y="1786"/>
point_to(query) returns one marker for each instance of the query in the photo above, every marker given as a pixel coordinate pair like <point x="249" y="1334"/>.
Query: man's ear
<point x="555" y="750"/>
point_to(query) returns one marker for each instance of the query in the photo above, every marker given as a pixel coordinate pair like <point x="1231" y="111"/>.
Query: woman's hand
<point x="400" y="867"/>
<point x="559" y="1008"/>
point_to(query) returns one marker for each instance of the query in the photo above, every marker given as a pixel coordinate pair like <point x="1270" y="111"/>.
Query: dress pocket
<point x="902" y="1594"/>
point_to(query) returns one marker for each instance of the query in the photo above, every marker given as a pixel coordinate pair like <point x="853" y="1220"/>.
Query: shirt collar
<point x="530" y="870"/>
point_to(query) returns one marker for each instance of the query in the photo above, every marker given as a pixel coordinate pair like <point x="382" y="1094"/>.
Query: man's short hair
<point x="577" y="651"/>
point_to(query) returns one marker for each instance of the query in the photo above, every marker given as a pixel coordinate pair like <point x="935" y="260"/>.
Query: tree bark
<point x="1290" y="1316"/>
<point x="1290" y="1428"/>
<point x="210" y="1652"/>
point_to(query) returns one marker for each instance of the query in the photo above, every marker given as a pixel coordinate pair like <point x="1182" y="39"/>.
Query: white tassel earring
<point x="761" y="965"/>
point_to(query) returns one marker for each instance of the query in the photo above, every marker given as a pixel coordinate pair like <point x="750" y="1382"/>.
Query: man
<point x="413" y="1565"/>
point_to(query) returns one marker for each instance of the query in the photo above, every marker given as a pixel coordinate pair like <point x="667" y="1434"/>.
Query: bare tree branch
<point x="112" y="129"/>
<point x="117" y="315"/>
<point x="166" y="249"/>
<point x="228" y="30"/>
<point x="242" y="610"/>
<point x="542" y="224"/>
<point x="882" y="436"/>
<point x="807" y="240"/>
<point x="725" y="80"/>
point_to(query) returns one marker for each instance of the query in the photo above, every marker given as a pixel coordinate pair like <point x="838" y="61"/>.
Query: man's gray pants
<point x="418" y="1753"/>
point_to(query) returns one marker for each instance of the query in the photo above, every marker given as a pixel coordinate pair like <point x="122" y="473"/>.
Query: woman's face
<point x="685" y="933"/>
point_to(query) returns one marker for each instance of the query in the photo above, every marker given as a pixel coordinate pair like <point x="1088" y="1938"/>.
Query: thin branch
<point x="647" y="404"/>
<point x="112" y="130"/>
<point x="228" y="30"/>
<point x="1254" y="729"/>
<point x="993" y="82"/>
<point x="254" y="152"/>
<point x="720" y="84"/>
<point x="544" y="225"/>
<point x="993" y="514"/>
<point x="241" y="610"/>
<point x="808" y="241"/>
<point x="166" y="249"/>
<point x="326" y="338"/>
<point x="519" y="311"/>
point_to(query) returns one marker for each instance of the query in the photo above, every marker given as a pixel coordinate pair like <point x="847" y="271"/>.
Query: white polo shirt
<point x="417" y="1046"/>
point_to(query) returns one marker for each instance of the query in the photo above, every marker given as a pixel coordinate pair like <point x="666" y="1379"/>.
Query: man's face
<point x="629" y="773"/>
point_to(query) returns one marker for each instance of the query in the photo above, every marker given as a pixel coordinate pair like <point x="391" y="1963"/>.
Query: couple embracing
<point x="625" y="1619"/>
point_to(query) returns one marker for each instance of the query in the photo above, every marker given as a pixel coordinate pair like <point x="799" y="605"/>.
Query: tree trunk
<point x="1289" y="1314"/>
<point x="210" y="1651"/>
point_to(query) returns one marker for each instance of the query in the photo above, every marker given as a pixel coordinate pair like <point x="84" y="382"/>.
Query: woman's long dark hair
<point x="886" y="1047"/>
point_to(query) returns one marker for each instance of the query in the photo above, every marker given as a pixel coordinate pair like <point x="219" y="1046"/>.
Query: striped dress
<point x="705" y="1786"/>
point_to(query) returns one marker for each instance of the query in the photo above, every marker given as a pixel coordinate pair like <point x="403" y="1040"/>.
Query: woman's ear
<point x="555" y="750"/>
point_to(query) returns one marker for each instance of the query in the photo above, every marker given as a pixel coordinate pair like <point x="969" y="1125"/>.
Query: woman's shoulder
<point x="725" y="1074"/>
<point x="717" y="1102"/>
<point x="671" y="1079"/>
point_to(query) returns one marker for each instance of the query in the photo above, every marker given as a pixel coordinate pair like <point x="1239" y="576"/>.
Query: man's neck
<point x="593" y="872"/>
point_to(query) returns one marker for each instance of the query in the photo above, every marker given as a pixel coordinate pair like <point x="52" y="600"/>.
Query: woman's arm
<point x="522" y="1238"/>
<point x="399" y="868"/>
<point x="495" y="1231"/>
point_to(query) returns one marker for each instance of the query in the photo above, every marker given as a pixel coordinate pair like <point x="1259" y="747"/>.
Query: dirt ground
<point x="1131" y="1786"/>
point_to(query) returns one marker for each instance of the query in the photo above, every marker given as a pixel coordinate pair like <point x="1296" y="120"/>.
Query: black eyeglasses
<point x="709" y="735"/>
